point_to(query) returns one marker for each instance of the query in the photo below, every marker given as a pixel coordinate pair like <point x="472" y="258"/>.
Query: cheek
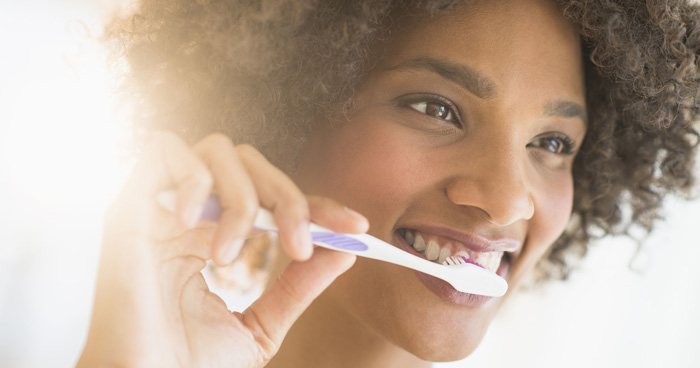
<point x="553" y="204"/>
<point x="554" y="207"/>
<point x="366" y="166"/>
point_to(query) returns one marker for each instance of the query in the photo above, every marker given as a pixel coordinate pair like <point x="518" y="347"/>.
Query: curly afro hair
<point x="242" y="67"/>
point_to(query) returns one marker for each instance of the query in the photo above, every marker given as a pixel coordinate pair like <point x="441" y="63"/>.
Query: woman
<point x="479" y="127"/>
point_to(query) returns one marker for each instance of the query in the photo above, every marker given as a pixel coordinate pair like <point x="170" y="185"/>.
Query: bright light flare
<point x="61" y="128"/>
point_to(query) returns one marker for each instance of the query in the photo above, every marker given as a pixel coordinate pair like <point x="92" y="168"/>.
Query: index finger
<point x="236" y="193"/>
<point x="167" y="162"/>
<point x="278" y="193"/>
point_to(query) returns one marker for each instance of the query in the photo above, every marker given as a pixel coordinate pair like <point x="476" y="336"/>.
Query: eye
<point x="434" y="106"/>
<point x="434" y="109"/>
<point x="556" y="143"/>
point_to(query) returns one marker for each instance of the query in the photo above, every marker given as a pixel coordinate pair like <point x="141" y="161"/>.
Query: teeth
<point x="444" y="253"/>
<point x="409" y="237"/>
<point x="419" y="243"/>
<point x="490" y="260"/>
<point x="433" y="251"/>
<point x="494" y="260"/>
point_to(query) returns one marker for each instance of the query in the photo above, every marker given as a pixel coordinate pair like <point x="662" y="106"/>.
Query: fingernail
<point x="353" y="212"/>
<point x="193" y="215"/>
<point x="358" y="216"/>
<point x="230" y="251"/>
<point x="304" y="239"/>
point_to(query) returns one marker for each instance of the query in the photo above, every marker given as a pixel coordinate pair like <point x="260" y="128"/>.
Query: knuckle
<point x="203" y="178"/>
<point x="267" y="343"/>
<point x="292" y="197"/>
<point x="290" y="290"/>
<point x="219" y="140"/>
<point x="248" y="208"/>
<point x="301" y="206"/>
<point x="246" y="150"/>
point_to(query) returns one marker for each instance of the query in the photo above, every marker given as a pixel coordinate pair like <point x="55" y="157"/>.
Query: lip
<point x="442" y="288"/>
<point x="474" y="242"/>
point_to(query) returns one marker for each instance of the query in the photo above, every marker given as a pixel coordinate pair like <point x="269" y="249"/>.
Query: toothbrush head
<point x="468" y="276"/>
<point x="457" y="260"/>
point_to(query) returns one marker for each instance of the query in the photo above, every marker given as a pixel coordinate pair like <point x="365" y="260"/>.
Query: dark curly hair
<point x="264" y="71"/>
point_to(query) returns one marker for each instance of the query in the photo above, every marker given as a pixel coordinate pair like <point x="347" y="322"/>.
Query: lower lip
<point x="442" y="288"/>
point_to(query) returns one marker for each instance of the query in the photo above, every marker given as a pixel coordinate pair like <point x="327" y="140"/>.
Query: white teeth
<point x="444" y="253"/>
<point x="419" y="243"/>
<point x="490" y="260"/>
<point x="433" y="251"/>
<point x="493" y="260"/>
<point x="409" y="237"/>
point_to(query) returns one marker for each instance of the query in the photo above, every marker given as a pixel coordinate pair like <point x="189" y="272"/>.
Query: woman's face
<point x="463" y="135"/>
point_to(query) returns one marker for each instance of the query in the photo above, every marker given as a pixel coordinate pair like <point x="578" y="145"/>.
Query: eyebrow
<point x="463" y="75"/>
<point x="565" y="109"/>
<point x="483" y="87"/>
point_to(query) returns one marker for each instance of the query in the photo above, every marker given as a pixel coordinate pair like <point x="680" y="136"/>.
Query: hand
<point x="152" y="306"/>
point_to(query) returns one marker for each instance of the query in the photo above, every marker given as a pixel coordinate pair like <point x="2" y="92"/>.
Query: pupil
<point x="436" y="110"/>
<point x="555" y="146"/>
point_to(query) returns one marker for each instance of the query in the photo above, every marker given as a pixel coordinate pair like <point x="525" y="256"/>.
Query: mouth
<point x="449" y="245"/>
<point x="445" y="251"/>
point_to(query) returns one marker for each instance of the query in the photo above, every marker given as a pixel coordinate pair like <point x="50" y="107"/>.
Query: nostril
<point x="511" y="211"/>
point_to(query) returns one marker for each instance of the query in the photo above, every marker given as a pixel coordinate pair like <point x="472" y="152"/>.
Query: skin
<point x="498" y="173"/>
<point x="152" y="305"/>
<point x="400" y="167"/>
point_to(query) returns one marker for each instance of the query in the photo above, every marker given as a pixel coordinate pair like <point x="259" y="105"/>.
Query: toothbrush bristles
<point x="457" y="260"/>
<point x="454" y="260"/>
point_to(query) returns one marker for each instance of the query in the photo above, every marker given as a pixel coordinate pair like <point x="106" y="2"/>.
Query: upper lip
<point x="474" y="242"/>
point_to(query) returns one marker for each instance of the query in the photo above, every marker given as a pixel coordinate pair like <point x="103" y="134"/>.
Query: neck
<point x="326" y="335"/>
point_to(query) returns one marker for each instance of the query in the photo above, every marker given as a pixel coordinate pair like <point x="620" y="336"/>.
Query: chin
<point x="446" y="340"/>
<point x="404" y="312"/>
<point x="445" y="351"/>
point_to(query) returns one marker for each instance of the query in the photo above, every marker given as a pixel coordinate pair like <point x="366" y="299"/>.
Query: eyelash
<point x="410" y="101"/>
<point x="567" y="143"/>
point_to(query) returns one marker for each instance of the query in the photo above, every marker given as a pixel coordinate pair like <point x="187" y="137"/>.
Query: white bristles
<point x="454" y="260"/>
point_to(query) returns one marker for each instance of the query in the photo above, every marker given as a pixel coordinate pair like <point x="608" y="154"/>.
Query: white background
<point x="60" y="134"/>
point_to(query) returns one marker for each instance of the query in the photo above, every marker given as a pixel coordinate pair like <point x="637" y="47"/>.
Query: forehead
<point x="523" y="46"/>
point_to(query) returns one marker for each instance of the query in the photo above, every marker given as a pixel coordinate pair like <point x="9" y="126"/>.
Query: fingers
<point x="334" y="216"/>
<point x="273" y="314"/>
<point x="278" y="193"/>
<point x="236" y="192"/>
<point x="167" y="162"/>
<point x="243" y="179"/>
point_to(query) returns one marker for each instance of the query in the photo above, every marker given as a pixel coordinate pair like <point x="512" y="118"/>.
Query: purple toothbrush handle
<point x="212" y="210"/>
<point x="340" y="241"/>
<point x="212" y="213"/>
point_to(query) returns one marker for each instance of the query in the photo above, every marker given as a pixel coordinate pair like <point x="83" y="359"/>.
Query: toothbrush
<point x="463" y="276"/>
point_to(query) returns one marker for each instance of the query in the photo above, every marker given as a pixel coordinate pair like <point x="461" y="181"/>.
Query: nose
<point x="497" y="186"/>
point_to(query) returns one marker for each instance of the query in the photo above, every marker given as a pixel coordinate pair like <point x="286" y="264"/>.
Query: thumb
<point x="272" y="315"/>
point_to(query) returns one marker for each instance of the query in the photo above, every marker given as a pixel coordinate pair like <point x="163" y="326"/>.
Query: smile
<point x="439" y="250"/>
